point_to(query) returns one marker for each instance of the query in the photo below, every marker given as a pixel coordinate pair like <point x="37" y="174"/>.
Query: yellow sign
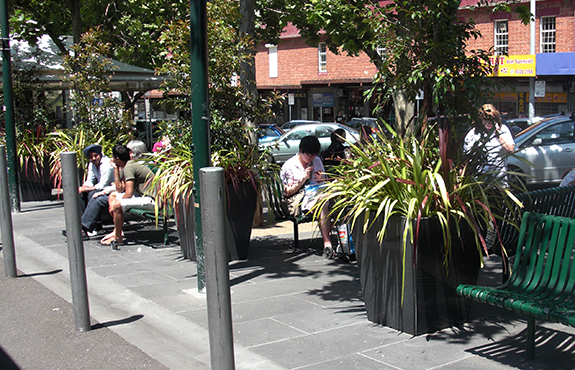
<point x="513" y="65"/>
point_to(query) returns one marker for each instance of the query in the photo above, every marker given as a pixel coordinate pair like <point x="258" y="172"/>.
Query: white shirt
<point x="496" y="162"/>
<point x="568" y="179"/>
<point x="100" y="177"/>
<point x="293" y="172"/>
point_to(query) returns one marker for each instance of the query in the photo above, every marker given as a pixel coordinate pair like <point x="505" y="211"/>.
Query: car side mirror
<point x="537" y="141"/>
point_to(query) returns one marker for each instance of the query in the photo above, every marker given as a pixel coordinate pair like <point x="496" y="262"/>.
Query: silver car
<point x="549" y="146"/>
<point x="291" y="124"/>
<point x="287" y="145"/>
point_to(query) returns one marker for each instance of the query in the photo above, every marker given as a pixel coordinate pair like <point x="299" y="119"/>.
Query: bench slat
<point x="542" y="281"/>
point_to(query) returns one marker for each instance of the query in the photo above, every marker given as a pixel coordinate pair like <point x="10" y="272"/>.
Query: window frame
<point x="545" y="34"/>
<point x="322" y="57"/>
<point x="499" y="47"/>
<point x="273" y="61"/>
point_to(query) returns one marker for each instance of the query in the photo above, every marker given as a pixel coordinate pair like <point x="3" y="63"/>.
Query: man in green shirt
<point x="137" y="191"/>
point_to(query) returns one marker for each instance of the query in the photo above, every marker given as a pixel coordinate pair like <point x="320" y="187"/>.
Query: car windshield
<point x="521" y="136"/>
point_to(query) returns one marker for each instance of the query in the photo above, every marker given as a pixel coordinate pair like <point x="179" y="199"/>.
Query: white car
<point x="550" y="146"/>
<point x="287" y="145"/>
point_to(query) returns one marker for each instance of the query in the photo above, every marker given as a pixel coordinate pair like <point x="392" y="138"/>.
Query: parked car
<point x="357" y="122"/>
<point x="287" y="145"/>
<point x="291" y="124"/>
<point x="523" y="123"/>
<point x="269" y="132"/>
<point x="549" y="146"/>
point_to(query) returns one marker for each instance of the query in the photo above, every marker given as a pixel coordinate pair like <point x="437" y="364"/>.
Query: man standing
<point x="137" y="192"/>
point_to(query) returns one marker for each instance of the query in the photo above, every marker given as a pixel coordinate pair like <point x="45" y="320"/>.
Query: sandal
<point x="106" y="239"/>
<point x="111" y="240"/>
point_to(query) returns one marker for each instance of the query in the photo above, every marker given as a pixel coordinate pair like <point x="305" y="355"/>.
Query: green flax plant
<point x="404" y="176"/>
<point x="75" y="140"/>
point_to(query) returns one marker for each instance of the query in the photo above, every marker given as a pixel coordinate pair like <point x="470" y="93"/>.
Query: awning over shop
<point x="555" y="64"/>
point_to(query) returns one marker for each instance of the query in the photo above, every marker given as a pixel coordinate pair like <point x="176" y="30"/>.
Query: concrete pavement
<point x="291" y="309"/>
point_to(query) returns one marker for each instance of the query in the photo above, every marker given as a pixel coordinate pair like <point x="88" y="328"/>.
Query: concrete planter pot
<point x="430" y="302"/>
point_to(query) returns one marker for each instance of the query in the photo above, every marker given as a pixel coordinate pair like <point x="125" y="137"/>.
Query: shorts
<point x="135" y="202"/>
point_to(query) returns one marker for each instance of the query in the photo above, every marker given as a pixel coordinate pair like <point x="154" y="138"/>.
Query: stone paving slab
<point x="292" y="309"/>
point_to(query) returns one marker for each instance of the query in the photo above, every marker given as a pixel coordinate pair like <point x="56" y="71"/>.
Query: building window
<point x="501" y="38"/>
<point x="547" y="34"/>
<point x="322" y="57"/>
<point x="273" y="60"/>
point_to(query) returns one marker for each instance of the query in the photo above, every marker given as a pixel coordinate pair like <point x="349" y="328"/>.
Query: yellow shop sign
<point x="513" y="65"/>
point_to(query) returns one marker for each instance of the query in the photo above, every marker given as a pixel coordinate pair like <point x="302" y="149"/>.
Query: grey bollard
<point x="8" y="252"/>
<point x="75" y="243"/>
<point x="212" y="200"/>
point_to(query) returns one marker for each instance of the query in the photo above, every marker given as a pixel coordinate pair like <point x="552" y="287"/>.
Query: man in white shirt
<point x="100" y="173"/>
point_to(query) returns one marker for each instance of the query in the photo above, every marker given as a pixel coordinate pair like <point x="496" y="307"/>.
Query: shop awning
<point x="555" y="64"/>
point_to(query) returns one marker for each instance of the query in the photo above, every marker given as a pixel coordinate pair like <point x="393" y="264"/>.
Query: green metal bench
<point x="542" y="281"/>
<point x="557" y="201"/>
<point x="164" y="215"/>
<point x="273" y="193"/>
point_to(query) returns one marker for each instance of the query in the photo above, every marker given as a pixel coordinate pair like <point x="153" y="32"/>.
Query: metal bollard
<point x="212" y="194"/>
<point x="7" y="231"/>
<point x="75" y="243"/>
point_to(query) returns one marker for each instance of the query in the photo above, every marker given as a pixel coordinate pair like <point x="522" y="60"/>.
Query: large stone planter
<point x="387" y="272"/>
<point x="240" y="210"/>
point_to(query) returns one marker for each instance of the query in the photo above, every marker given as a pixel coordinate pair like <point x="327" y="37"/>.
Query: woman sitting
<point x="335" y="153"/>
<point x="302" y="169"/>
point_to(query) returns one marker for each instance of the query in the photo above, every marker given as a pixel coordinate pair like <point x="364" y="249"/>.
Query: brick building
<point x="323" y="84"/>
<point x="554" y="59"/>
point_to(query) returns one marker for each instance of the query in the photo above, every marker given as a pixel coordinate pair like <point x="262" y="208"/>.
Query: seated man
<point x="137" y="192"/>
<point x="301" y="169"/>
<point x="99" y="200"/>
<point x="100" y="173"/>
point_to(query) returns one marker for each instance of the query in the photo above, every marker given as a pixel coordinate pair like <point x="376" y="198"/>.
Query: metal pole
<point x="7" y="231"/>
<point x="200" y="116"/>
<point x="213" y="212"/>
<point x="532" y="52"/>
<point x="9" y="110"/>
<point x="75" y="243"/>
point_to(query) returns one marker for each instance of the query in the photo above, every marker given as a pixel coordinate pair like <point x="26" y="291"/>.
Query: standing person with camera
<point x="495" y="141"/>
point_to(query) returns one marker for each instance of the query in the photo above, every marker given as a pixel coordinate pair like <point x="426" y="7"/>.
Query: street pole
<point x="218" y="294"/>
<point x="10" y="127"/>
<point x="532" y="52"/>
<point x="8" y="251"/>
<point x="76" y="258"/>
<point x="200" y="118"/>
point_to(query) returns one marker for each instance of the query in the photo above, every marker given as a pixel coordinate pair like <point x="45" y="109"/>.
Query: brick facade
<point x="519" y="33"/>
<point x="347" y="77"/>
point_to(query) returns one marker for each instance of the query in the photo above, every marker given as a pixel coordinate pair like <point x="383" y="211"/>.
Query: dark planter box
<point x="429" y="302"/>
<point x="185" y="223"/>
<point x="35" y="183"/>
<point x="240" y="210"/>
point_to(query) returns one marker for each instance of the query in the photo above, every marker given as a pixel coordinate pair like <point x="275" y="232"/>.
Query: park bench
<point x="542" y="281"/>
<point x="164" y="215"/>
<point x="557" y="201"/>
<point x="273" y="190"/>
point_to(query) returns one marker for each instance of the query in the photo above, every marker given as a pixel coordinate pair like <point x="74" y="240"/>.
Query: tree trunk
<point x="404" y="111"/>
<point x="248" y="67"/>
